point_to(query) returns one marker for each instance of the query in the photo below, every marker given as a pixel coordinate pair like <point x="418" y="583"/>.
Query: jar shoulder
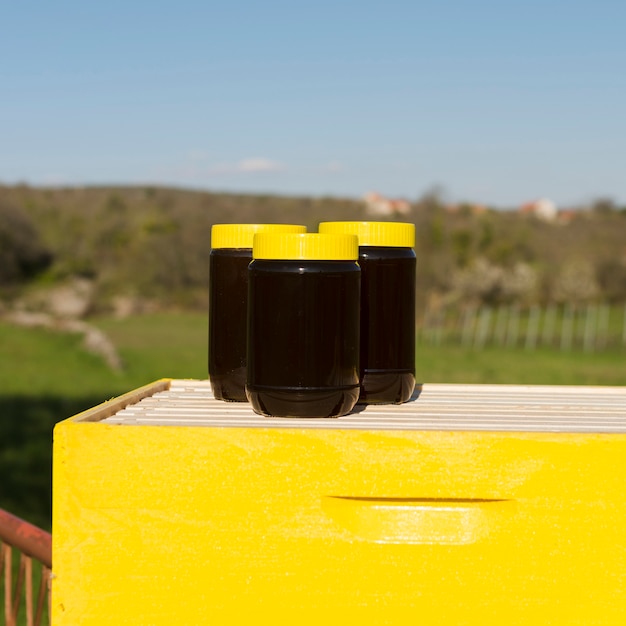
<point x="379" y="253"/>
<point x="302" y="266"/>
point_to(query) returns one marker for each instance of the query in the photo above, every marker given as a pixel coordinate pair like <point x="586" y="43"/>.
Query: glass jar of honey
<point x="303" y="325"/>
<point x="388" y="266"/>
<point x="231" y="253"/>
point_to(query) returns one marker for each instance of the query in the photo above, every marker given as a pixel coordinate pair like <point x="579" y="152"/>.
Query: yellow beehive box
<point x="469" y="505"/>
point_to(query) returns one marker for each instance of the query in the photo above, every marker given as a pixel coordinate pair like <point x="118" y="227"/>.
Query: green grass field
<point x="456" y="364"/>
<point x="40" y="362"/>
<point x="44" y="362"/>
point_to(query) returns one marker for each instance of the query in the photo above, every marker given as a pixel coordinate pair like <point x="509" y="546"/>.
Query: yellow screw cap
<point x="241" y="235"/>
<point x="392" y="234"/>
<point x="334" y="247"/>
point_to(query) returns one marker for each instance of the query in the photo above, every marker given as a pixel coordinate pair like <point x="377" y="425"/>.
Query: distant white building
<point x="379" y="205"/>
<point x="543" y="208"/>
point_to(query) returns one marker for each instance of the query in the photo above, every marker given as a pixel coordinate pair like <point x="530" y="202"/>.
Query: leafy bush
<point x="22" y="254"/>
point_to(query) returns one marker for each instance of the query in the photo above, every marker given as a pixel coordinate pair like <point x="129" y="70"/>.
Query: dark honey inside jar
<point x="388" y="266"/>
<point x="231" y="253"/>
<point x="303" y="325"/>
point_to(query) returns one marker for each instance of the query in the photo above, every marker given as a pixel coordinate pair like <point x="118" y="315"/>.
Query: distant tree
<point x="22" y="254"/>
<point x="462" y="241"/>
<point x="431" y="199"/>
<point x="576" y="282"/>
<point x="486" y="236"/>
<point x="485" y="283"/>
<point x="604" y="206"/>
<point x="611" y="275"/>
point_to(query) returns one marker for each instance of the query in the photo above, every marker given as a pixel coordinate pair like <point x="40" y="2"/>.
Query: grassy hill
<point x="149" y="247"/>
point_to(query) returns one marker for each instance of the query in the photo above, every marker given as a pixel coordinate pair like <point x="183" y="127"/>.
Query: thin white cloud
<point x="333" y="166"/>
<point x="54" y="180"/>
<point x="198" y="168"/>
<point x="259" y="165"/>
<point x="250" y="165"/>
<point x="198" y="155"/>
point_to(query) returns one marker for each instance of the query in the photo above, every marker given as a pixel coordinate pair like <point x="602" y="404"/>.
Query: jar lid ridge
<point x="310" y="246"/>
<point x="392" y="234"/>
<point x="242" y="235"/>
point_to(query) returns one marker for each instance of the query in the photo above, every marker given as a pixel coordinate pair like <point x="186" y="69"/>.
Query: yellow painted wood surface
<point x="252" y="525"/>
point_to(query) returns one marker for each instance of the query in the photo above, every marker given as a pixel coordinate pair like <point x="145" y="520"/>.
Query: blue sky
<point x="494" y="102"/>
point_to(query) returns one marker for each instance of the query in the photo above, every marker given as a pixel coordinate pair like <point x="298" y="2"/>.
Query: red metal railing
<point x="31" y="543"/>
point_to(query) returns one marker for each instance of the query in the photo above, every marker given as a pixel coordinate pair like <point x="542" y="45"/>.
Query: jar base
<point x="386" y="387"/>
<point x="307" y="403"/>
<point x="229" y="388"/>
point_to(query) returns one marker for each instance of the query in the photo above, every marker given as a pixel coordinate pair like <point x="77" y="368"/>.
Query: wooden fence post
<point x="482" y="331"/>
<point x="589" y="334"/>
<point x="500" y="327"/>
<point x="513" y="326"/>
<point x="532" y="329"/>
<point x="549" y="325"/>
<point x="567" y="327"/>
<point x="468" y="326"/>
